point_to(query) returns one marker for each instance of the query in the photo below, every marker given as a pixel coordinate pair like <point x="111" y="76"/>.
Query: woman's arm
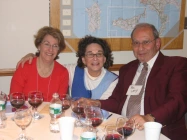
<point x="27" y="57"/>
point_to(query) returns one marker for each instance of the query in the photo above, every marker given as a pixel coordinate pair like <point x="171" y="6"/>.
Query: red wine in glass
<point x="35" y="103"/>
<point x="65" y="107"/>
<point x="35" y="99"/>
<point x="125" y="126"/>
<point x="17" y="99"/>
<point x="77" y="106"/>
<point x="96" y="121"/>
<point x="17" y="103"/>
<point x="66" y="103"/>
<point x="126" y="131"/>
<point x="78" y="110"/>
<point x="111" y="133"/>
<point x="113" y="137"/>
<point x="94" y="113"/>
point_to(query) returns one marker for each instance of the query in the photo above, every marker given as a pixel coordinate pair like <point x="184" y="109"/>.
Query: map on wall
<point x="113" y="20"/>
<point x="117" y="18"/>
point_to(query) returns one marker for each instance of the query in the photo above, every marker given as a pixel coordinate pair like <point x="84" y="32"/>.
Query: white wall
<point x="19" y="21"/>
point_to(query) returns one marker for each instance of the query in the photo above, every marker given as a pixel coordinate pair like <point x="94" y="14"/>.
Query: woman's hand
<point x="91" y="102"/>
<point x="27" y="57"/>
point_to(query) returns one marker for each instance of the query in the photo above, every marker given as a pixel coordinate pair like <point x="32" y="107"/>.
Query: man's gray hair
<point x="155" y="32"/>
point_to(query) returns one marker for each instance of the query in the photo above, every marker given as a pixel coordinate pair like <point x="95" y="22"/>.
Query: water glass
<point x="2" y="110"/>
<point x="23" y="118"/>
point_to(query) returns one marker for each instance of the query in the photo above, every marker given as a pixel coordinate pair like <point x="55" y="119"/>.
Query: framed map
<point x="114" y="20"/>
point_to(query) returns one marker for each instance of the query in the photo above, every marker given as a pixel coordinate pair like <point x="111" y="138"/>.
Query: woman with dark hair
<point x="90" y="77"/>
<point x="44" y="74"/>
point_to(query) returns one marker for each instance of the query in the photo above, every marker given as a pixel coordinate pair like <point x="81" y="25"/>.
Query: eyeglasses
<point x="48" y="45"/>
<point x="91" y="55"/>
<point x="144" y="43"/>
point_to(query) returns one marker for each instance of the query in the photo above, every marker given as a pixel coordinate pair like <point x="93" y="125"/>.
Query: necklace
<point x="48" y="86"/>
<point x="41" y="70"/>
<point x="44" y="75"/>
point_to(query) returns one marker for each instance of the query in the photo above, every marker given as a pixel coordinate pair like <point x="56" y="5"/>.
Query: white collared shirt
<point x="150" y="65"/>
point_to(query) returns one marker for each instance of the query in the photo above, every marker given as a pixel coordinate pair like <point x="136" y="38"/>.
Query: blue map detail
<point x="116" y="18"/>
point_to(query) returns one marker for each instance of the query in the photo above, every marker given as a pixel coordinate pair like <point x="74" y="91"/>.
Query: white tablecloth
<point x="39" y="129"/>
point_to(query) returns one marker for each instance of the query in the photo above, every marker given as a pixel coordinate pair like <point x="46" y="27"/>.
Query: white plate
<point x="8" y="110"/>
<point x="105" y="114"/>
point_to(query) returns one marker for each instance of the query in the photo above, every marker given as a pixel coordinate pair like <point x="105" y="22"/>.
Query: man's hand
<point x="27" y="57"/>
<point x="141" y="119"/>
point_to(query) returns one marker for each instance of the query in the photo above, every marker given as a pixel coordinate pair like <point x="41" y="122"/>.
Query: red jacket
<point x="165" y="93"/>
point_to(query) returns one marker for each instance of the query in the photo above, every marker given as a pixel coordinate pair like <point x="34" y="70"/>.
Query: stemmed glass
<point x="77" y="106"/>
<point x="125" y="126"/>
<point x="17" y="100"/>
<point x="95" y="115"/>
<point x="3" y="99"/>
<point x="66" y="102"/>
<point x="111" y="133"/>
<point x="35" y="99"/>
<point x="23" y="118"/>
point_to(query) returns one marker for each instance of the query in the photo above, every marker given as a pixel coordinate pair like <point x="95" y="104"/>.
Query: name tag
<point x="134" y="90"/>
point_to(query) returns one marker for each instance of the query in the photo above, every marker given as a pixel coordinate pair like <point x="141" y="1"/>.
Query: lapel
<point x="150" y="91"/>
<point x="131" y="72"/>
<point x="154" y="72"/>
<point x="157" y="65"/>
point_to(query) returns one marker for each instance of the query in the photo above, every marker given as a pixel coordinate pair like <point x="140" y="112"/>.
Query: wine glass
<point x="77" y="106"/>
<point x="17" y="100"/>
<point x="23" y="118"/>
<point x="111" y="133"/>
<point x="95" y="115"/>
<point x="66" y="102"/>
<point x="35" y="99"/>
<point x="125" y="126"/>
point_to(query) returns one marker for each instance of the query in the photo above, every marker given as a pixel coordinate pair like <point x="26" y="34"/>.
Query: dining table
<point x="39" y="129"/>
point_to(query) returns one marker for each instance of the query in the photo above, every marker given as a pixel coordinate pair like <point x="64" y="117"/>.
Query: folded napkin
<point x="45" y="109"/>
<point x="111" y="121"/>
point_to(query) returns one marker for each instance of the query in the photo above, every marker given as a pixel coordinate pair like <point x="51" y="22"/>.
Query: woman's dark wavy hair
<point x="87" y="40"/>
<point x="54" y="32"/>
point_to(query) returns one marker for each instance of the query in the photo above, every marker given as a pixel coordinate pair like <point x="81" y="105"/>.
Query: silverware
<point x="109" y="116"/>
